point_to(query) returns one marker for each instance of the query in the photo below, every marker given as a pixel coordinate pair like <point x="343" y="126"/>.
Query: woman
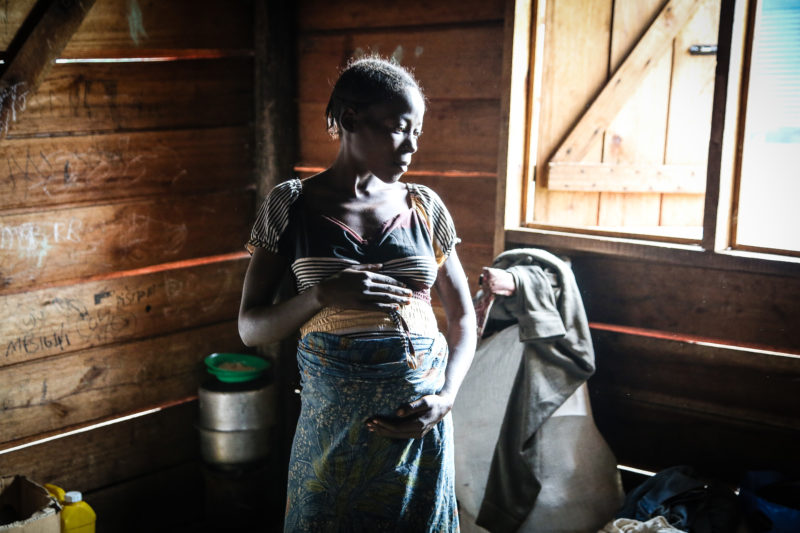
<point x="373" y="447"/>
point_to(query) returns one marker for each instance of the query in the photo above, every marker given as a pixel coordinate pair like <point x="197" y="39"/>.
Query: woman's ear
<point x="348" y="119"/>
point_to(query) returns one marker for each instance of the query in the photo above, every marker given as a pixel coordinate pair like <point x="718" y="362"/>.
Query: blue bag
<point x="771" y="502"/>
<point x="687" y="501"/>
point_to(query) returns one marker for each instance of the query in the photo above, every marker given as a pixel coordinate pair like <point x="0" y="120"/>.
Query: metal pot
<point x="233" y="410"/>
<point x="233" y="447"/>
<point x="234" y="421"/>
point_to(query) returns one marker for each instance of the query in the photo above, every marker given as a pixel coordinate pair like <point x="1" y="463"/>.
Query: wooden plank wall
<point x="126" y="194"/>
<point x="690" y="364"/>
<point x="664" y="121"/>
<point x="455" y="50"/>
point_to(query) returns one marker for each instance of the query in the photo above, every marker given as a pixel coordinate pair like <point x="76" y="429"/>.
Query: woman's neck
<point x="345" y="179"/>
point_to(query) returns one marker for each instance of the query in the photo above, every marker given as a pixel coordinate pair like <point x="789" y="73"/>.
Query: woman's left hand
<point x="414" y="419"/>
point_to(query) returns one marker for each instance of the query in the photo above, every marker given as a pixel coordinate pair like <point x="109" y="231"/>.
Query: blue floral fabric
<point x="342" y="477"/>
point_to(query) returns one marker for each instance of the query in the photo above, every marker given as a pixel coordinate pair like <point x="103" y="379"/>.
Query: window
<point x="622" y="110"/>
<point x="769" y="183"/>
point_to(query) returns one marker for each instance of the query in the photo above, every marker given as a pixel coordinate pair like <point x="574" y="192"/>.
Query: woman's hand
<point x="497" y="281"/>
<point x="414" y="419"/>
<point x="362" y="287"/>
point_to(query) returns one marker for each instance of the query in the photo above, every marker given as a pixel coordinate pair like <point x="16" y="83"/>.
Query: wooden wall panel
<point x="47" y="395"/>
<point x="62" y="170"/>
<point x="322" y="56"/>
<point x="58" y="320"/>
<point x="718" y="304"/>
<point x="321" y="15"/>
<point x="150" y="24"/>
<point x="126" y="193"/>
<point x="466" y="200"/>
<point x="42" y="247"/>
<point x="654" y="437"/>
<point x="473" y="258"/>
<point x="13" y="14"/>
<point x="90" y="98"/>
<point x="732" y="384"/>
<point x="662" y="402"/>
<point x="458" y="135"/>
<point x="111" y="454"/>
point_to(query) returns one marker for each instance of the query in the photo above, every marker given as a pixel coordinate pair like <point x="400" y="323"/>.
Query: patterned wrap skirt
<point x="343" y="477"/>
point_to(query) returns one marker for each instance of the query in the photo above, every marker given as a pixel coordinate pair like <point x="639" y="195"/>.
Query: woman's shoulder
<point x="426" y="196"/>
<point x="278" y="202"/>
<point x="291" y="187"/>
<point x="281" y="198"/>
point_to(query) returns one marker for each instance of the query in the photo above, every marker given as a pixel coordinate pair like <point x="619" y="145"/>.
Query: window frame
<point x="523" y="40"/>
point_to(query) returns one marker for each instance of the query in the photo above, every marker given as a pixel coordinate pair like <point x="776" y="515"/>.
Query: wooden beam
<point x="51" y="29"/>
<point x="514" y="123"/>
<point x="275" y="90"/>
<point x="646" y="178"/>
<point x="727" y="126"/>
<point x="626" y="79"/>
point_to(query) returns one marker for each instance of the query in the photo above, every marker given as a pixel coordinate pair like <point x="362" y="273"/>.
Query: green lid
<point x="235" y="367"/>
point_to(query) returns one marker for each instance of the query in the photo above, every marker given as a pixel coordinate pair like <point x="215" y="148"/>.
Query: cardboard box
<point x="27" y="507"/>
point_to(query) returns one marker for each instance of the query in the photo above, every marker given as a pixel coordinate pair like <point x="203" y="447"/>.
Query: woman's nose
<point x="410" y="144"/>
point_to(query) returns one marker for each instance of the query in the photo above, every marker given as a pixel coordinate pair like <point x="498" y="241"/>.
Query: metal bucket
<point x="235" y="420"/>
<point x="233" y="447"/>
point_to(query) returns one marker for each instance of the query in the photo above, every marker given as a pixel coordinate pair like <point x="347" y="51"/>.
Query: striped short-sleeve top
<point x="411" y="246"/>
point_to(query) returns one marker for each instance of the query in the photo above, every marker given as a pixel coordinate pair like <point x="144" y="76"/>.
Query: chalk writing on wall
<point x="74" y="317"/>
<point x="65" y="321"/>
<point x="42" y="171"/>
<point x="13" y="98"/>
<point x="34" y="240"/>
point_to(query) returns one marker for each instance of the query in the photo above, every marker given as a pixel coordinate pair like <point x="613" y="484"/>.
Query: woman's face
<point x="385" y="135"/>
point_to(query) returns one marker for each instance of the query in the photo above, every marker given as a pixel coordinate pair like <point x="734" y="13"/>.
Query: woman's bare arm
<point x="452" y="287"/>
<point x="419" y="416"/>
<point x="261" y="321"/>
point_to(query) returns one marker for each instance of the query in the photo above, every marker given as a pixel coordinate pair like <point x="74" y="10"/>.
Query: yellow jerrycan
<point x="76" y="515"/>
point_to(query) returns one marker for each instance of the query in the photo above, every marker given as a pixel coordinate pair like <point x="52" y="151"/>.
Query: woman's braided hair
<point x="363" y="82"/>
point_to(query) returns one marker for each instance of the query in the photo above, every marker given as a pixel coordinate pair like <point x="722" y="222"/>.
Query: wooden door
<point x="626" y="112"/>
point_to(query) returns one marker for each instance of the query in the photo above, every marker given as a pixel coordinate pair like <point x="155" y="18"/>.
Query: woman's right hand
<point x="497" y="281"/>
<point x="363" y="287"/>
